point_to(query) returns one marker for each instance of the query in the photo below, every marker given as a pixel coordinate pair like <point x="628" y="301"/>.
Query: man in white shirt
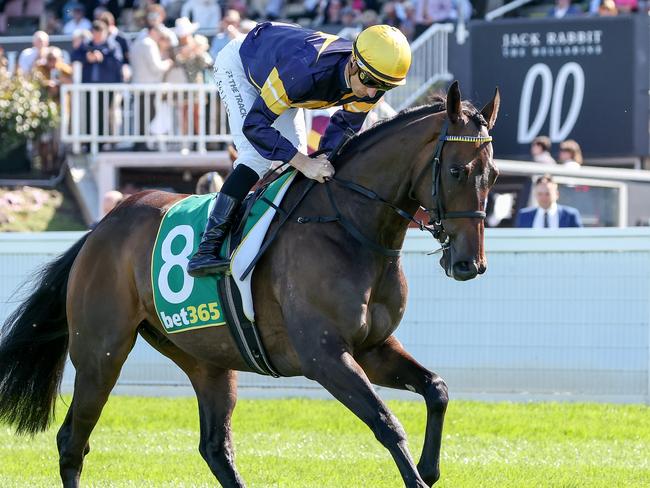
<point x="548" y="214"/>
<point x="148" y="66"/>
<point x="29" y="56"/>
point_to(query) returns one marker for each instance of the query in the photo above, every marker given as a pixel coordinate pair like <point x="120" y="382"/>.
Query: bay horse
<point x="326" y="304"/>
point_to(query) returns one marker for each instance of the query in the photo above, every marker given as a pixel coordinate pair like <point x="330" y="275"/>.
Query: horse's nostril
<point x="465" y="270"/>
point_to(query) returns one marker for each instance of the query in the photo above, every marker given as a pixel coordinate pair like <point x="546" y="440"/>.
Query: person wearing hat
<point x="265" y="79"/>
<point x="191" y="58"/>
<point x="191" y="55"/>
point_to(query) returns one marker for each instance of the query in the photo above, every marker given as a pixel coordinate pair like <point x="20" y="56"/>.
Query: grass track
<point x="152" y="442"/>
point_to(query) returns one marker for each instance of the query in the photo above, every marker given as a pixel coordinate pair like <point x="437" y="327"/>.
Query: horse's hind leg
<point x="390" y="365"/>
<point x="99" y="345"/>
<point x="216" y="392"/>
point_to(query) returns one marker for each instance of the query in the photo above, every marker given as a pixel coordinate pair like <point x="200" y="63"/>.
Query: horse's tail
<point x="33" y="348"/>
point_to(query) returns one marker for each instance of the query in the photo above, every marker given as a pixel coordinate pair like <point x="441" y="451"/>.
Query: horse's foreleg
<point x="335" y="368"/>
<point x="391" y="366"/>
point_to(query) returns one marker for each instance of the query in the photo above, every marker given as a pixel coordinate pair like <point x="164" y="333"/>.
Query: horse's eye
<point x="455" y="172"/>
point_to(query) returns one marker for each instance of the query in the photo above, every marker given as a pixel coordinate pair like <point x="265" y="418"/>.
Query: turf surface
<point x="152" y="442"/>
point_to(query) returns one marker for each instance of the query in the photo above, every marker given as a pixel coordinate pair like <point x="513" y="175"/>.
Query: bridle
<point x="437" y="213"/>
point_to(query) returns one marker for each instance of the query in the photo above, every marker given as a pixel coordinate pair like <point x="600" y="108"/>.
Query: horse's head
<point x="452" y="182"/>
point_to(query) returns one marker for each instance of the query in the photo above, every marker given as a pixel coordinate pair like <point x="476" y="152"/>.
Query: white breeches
<point x="238" y="95"/>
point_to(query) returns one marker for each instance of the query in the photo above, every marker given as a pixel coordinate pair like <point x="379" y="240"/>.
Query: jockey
<point x="265" y="79"/>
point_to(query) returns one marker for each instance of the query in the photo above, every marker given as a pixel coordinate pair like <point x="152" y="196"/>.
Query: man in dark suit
<point x="548" y="214"/>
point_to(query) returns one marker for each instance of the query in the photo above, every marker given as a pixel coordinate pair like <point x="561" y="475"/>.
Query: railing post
<point x="202" y="120"/>
<point x="75" y="106"/>
<point x="94" y="119"/>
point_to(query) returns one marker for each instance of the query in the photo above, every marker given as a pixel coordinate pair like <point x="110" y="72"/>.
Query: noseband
<point x="438" y="213"/>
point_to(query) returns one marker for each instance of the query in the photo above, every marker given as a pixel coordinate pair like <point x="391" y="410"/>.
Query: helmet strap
<point x="351" y="69"/>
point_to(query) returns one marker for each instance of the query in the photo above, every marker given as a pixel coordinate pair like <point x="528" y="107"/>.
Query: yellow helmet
<point x="384" y="52"/>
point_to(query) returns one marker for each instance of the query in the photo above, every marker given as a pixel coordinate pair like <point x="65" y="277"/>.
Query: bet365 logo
<point x="191" y="315"/>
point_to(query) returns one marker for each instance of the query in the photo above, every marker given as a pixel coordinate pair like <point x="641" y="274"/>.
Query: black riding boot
<point x="206" y="260"/>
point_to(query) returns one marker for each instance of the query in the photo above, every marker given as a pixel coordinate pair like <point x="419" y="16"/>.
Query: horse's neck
<point x="386" y="169"/>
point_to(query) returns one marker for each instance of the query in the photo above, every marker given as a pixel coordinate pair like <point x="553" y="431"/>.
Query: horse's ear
<point x="491" y="110"/>
<point x="453" y="102"/>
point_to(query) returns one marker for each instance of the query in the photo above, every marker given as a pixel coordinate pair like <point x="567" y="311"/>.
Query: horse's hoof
<point x="430" y="476"/>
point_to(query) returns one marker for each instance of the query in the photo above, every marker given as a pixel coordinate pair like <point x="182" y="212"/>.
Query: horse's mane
<point x="437" y="104"/>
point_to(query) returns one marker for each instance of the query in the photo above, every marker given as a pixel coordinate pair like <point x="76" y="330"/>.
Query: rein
<point x="437" y="214"/>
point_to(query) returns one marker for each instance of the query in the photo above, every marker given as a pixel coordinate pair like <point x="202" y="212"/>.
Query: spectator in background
<point x="351" y="25"/>
<point x="548" y="214"/>
<point x="101" y="58"/>
<point x="209" y="183"/>
<point x="102" y="63"/>
<point x="607" y="8"/>
<point x="626" y="6"/>
<point x="429" y="12"/>
<point x="155" y="17"/>
<point x="53" y="72"/>
<point x="570" y="154"/>
<point x="98" y="11"/>
<point x="240" y="6"/>
<point x="329" y="13"/>
<point x="274" y="9"/>
<point x="540" y="150"/>
<point x="369" y="18"/>
<point x="206" y="13"/>
<point x="51" y="23"/>
<point x="78" y="20"/>
<point x="79" y="38"/>
<point x="149" y="67"/>
<point x="389" y="15"/>
<point x="562" y="9"/>
<point x="408" y="23"/>
<point x="115" y="34"/>
<point x="191" y="58"/>
<point x="229" y="29"/>
<point x="28" y="57"/>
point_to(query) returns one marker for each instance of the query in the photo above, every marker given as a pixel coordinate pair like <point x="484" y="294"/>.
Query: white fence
<point x="559" y="315"/>
<point x="170" y="115"/>
<point x="156" y="114"/>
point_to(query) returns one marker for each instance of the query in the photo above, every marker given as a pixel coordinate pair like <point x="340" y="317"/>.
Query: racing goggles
<point x="371" y="82"/>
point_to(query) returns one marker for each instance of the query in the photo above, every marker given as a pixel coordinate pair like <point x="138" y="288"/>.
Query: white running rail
<point x="428" y="66"/>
